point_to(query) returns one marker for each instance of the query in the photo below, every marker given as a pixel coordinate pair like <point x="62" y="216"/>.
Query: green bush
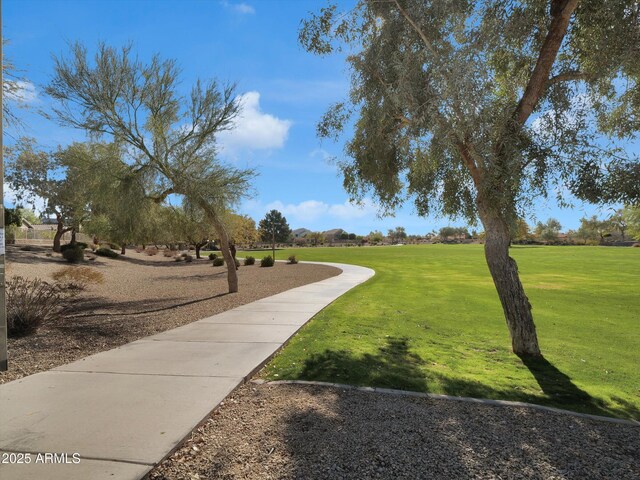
<point x="67" y="246"/>
<point x="218" y="262"/>
<point x="212" y="256"/>
<point x="267" y="261"/>
<point x="249" y="260"/>
<point x="30" y="303"/>
<point x="106" y="252"/>
<point x="73" y="255"/>
<point x="292" y="260"/>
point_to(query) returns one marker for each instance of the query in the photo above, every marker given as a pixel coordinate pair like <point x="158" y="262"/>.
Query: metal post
<point x="3" y="307"/>
<point x="273" y="242"/>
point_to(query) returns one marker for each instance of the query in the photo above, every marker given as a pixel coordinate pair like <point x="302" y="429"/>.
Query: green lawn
<point x="430" y="321"/>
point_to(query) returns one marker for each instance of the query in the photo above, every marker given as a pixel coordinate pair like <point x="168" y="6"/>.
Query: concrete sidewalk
<point x="125" y="409"/>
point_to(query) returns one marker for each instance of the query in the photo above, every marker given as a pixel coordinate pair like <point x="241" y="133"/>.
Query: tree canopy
<point x="475" y="109"/>
<point x="171" y="137"/>
<point x="274" y="226"/>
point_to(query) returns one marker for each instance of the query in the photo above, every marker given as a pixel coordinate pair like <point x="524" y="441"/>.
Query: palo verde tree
<point x="475" y="109"/>
<point x="190" y="225"/>
<point x="119" y="208"/>
<point x="172" y="138"/>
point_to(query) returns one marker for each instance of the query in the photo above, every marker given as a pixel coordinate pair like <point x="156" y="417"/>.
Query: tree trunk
<point x="504" y="271"/>
<point x="73" y="236"/>
<point x="232" y="247"/>
<point x="198" y="247"/>
<point x="60" y="230"/>
<point x="232" y="275"/>
<point x="123" y="249"/>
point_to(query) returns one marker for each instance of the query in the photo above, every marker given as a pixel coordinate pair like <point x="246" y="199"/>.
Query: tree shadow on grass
<point x="556" y="384"/>
<point x="396" y="366"/>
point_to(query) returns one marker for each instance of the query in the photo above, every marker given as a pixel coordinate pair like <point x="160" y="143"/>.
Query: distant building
<point x="300" y="232"/>
<point x="333" y="234"/>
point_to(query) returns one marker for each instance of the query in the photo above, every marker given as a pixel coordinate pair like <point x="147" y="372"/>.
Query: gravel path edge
<point x="437" y="396"/>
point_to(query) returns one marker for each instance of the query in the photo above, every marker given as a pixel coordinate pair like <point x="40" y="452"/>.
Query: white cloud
<point x="38" y="204"/>
<point x="311" y="210"/>
<point x="254" y="129"/>
<point x="25" y="93"/>
<point x="241" y="8"/>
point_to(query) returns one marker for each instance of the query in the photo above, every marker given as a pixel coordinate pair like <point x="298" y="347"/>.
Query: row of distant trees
<point x="622" y="225"/>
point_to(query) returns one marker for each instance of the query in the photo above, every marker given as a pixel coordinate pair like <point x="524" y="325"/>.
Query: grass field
<point x="430" y="320"/>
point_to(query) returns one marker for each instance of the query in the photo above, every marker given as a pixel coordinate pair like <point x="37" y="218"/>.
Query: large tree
<point x="477" y="108"/>
<point x="172" y="138"/>
<point x="54" y="177"/>
<point x="274" y="228"/>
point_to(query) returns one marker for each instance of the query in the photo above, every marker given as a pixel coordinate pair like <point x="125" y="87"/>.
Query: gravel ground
<point x="314" y="432"/>
<point x="141" y="295"/>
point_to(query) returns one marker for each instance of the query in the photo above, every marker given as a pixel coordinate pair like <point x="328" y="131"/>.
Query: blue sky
<point x="254" y="43"/>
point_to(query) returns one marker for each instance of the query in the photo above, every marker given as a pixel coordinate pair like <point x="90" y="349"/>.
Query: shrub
<point x="73" y="255"/>
<point x="77" y="278"/>
<point x="212" y="256"/>
<point x="249" y="260"/>
<point x="179" y="259"/>
<point x="188" y="258"/>
<point x="169" y="253"/>
<point x="106" y="252"/>
<point x="80" y="245"/>
<point x="218" y="262"/>
<point x="30" y="303"/>
<point x="151" y="251"/>
<point x="267" y="261"/>
<point x="140" y="250"/>
<point x="292" y="260"/>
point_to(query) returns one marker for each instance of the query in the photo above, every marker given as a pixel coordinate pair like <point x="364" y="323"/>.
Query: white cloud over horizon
<point x="310" y="211"/>
<point x="254" y="129"/>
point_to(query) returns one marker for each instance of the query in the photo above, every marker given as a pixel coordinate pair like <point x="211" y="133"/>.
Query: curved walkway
<point x="126" y="409"/>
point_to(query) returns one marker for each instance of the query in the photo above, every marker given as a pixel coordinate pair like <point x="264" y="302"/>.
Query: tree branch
<point x="561" y="11"/>
<point x="567" y="77"/>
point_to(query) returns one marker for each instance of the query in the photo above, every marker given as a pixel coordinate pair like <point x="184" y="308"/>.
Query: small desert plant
<point x="218" y="262"/>
<point x="187" y="258"/>
<point x="169" y="253"/>
<point x="94" y="247"/>
<point x="151" y="251"/>
<point x="249" y="260"/>
<point x="212" y="256"/>
<point x="77" y="278"/>
<point x="292" y="260"/>
<point x="73" y="255"/>
<point x="267" y="261"/>
<point x="67" y="246"/>
<point x="140" y="250"/>
<point x="30" y="303"/>
<point x="106" y="252"/>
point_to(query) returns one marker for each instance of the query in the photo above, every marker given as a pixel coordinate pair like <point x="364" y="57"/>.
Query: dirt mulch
<point x="141" y="296"/>
<point x="313" y="432"/>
